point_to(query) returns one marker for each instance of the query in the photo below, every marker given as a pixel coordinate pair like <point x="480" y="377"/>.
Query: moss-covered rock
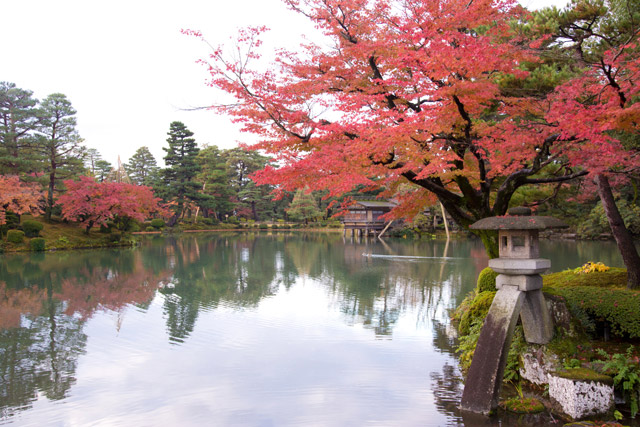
<point x="584" y="374"/>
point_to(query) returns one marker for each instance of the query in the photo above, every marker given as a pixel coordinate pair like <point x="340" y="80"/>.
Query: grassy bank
<point x="58" y="235"/>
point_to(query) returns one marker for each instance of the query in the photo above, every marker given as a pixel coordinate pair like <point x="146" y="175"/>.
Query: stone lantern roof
<point x="518" y="219"/>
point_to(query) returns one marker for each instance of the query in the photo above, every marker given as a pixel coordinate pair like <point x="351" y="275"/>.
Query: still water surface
<point x="241" y="329"/>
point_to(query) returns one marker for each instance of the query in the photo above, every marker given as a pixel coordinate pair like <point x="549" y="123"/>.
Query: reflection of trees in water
<point x="43" y="310"/>
<point x="446" y="385"/>
<point x="375" y="291"/>
<point x="237" y="269"/>
<point x="39" y="357"/>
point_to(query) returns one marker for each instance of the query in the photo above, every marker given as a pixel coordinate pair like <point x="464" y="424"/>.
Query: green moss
<point x="487" y="280"/>
<point x="585" y="374"/>
<point x="476" y="311"/>
<point x="523" y="405"/>
<point x="599" y="297"/>
<point x="614" y="278"/>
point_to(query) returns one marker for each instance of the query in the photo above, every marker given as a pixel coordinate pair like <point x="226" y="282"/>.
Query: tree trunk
<point x="52" y="180"/>
<point x="623" y="238"/>
<point x="254" y="211"/>
<point x="490" y="240"/>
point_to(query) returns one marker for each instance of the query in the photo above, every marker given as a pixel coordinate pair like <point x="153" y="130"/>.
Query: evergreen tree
<point x="253" y="199"/>
<point x="18" y="119"/>
<point x="182" y="169"/>
<point x="97" y="166"/>
<point x="58" y="143"/>
<point x="214" y="177"/>
<point x="102" y="170"/>
<point x="142" y="167"/>
<point x="303" y="207"/>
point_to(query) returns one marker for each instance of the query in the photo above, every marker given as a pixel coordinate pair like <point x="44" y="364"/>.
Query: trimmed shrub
<point x="602" y="296"/>
<point x="157" y="223"/>
<point x="32" y="228"/>
<point x="150" y="228"/>
<point x="15" y="236"/>
<point x="263" y="226"/>
<point x="487" y="280"/>
<point x="210" y="221"/>
<point x="37" y="244"/>
<point x="12" y="221"/>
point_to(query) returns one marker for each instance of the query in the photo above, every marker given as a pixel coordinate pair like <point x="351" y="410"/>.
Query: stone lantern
<point x="519" y="294"/>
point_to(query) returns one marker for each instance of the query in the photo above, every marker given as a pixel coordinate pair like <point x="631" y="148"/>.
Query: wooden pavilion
<point x="364" y="217"/>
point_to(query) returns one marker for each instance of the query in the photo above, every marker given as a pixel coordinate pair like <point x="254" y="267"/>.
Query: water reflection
<point x="260" y="317"/>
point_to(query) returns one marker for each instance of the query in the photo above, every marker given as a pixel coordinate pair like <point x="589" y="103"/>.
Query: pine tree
<point x="214" y="177"/>
<point x="182" y="168"/>
<point x="58" y="143"/>
<point x="142" y="166"/>
<point x="18" y="119"/>
<point x="303" y="207"/>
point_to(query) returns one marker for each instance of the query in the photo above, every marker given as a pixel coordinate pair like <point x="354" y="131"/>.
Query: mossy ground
<point x="523" y="405"/>
<point x="615" y="278"/>
<point x="59" y="235"/>
<point x="600" y="301"/>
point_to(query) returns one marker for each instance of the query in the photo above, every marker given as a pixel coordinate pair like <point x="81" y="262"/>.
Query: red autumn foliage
<point x="94" y="203"/>
<point x="410" y="93"/>
<point x="18" y="197"/>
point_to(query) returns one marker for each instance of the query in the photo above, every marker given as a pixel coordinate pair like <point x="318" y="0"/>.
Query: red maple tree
<point x="18" y="197"/>
<point x="94" y="203"/>
<point x="409" y="92"/>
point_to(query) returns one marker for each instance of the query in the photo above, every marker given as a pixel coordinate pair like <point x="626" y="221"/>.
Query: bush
<point x="37" y="244"/>
<point x="263" y="226"/>
<point x="150" y="228"/>
<point x="12" y="221"/>
<point x="487" y="280"/>
<point x="210" y="221"/>
<point x="15" y="236"/>
<point x="602" y="296"/>
<point x="157" y="223"/>
<point x="32" y="228"/>
<point x="596" y="223"/>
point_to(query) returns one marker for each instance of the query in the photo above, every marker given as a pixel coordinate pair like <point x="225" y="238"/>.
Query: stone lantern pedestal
<point x="519" y="295"/>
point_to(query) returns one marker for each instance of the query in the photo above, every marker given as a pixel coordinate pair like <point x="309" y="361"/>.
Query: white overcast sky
<point x="128" y="70"/>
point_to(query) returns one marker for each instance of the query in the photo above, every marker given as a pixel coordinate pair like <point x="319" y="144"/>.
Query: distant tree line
<point x="40" y="145"/>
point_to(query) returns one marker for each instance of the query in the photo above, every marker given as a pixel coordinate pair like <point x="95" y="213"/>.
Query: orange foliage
<point x="18" y="197"/>
<point x="16" y="302"/>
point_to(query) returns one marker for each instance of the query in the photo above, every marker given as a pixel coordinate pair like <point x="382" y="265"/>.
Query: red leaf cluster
<point x="18" y="197"/>
<point x="94" y="203"/>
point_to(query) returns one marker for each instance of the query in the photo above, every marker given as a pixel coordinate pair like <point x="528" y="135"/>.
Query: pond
<point x="242" y="329"/>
